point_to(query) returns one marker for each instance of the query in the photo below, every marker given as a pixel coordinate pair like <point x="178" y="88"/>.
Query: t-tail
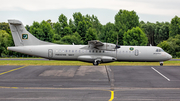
<point x="21" y="36"/>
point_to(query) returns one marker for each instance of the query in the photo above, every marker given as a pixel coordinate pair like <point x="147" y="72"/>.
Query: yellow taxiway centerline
<point x="12" y="70"/>
<point x="112" y="96"/>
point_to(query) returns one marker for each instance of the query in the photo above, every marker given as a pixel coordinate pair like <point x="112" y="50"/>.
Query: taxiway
<point x="87" y="83"/>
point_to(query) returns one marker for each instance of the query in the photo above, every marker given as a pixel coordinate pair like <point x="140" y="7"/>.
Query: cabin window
<point x="79" y="51"/>
<point x="93" y="51"/>
<point x="75" y="51"/>
<point x="99" y="51"/>
<point x="89" y="51"/>
<point x="56" y="51"/>
<point x="59" y="50"/>
<point x="69" y="51"/>
<point x="66" y="51"/>
<point x="103" y="51"/>
<point x="96" y="51"/>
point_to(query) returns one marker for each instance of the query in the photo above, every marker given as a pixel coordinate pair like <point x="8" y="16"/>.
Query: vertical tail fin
<point x="21" y="36"/>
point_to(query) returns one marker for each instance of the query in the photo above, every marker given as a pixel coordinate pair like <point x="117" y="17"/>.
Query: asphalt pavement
<point x="89" y="83"/>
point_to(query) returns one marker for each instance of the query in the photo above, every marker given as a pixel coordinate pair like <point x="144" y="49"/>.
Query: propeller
<point x="117" y="46"/>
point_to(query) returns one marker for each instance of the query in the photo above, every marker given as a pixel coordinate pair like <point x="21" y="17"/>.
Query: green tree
<point x="69" y="39"/>
<point x="52" y="24"/>
<point x="165" y="45"/>
<point x="108" y="33"/>
<point x="57" y="29"/>
<point x="97" y="25"/>
<point x="63" y="21"/>
<point x="48" y="31"/>
<point x="174" y="28"/>
<point x="77" y="18"/>
<point x="61" y="27"/>
<point x="149" y="29"/>
<point x="124" y="21"/>
<point x="5" y="26"/>
<point x="67" y="31"/>
<point x="5" y="41"/>
<point x="161" y="32"/>
<point x="72" y="26"/>
<point x="82" y="28"/>
<point x="156" y="32"/>
<point x="42" y="31"/>
<point x="83" y="23"/>
<point x="90" y="35"/>
<point x="172" y="45"/>
<point x="136" y="37"/>
<point x="36" y="30"/>
<point x="27" y="27"/>
<point x="112" y="36"/>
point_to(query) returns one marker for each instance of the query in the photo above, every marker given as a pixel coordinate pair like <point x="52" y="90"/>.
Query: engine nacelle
<point x="108" y="47"/>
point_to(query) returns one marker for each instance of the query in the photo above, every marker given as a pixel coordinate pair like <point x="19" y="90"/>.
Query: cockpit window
<point x="159" y="50"/>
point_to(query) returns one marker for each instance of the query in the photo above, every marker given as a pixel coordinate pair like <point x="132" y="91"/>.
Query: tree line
<point x="83" y="28"/>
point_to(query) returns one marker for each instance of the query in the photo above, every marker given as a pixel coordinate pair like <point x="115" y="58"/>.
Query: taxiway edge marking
<point x="12" y="70"/>
<point x="160" y="74"/>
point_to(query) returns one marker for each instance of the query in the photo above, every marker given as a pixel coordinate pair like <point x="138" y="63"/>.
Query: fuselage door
<point x="50" y="53"/>
<point x="136" y="52"/>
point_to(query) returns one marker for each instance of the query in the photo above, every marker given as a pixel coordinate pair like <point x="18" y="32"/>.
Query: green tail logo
<point x="24" y="36"/>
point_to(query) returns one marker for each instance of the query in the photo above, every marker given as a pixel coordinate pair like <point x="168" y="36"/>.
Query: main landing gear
<point x="161" y="63"/>
<point x="96" y="62"/>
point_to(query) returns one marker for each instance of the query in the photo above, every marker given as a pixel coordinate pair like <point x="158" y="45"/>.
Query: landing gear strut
<point x="161" y="63"/>
<point x="96" y="62"/>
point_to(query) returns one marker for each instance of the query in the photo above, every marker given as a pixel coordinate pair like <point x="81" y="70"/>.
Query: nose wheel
<point x="161" y="63"/>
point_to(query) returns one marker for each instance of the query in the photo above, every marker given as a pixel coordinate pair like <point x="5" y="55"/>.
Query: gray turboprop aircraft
<point x="95" y="52"/>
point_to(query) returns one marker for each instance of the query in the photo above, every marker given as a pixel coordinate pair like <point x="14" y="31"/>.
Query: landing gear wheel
<point x="161" y="63"/>
<point x="96" y="62"/>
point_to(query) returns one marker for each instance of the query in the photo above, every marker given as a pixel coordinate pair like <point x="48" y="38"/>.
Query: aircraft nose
<point x="169" y="56"/>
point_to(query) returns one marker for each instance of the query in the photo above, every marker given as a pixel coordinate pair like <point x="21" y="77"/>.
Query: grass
<point x="75" y="63"/>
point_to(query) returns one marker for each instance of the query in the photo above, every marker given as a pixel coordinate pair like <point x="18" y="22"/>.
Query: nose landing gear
<point x="161" y="63"/>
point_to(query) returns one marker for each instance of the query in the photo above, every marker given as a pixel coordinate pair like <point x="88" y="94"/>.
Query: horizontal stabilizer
<point x="15" y="22"/>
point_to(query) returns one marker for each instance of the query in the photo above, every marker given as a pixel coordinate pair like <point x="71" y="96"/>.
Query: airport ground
<point x="41" y="61"/>
<point x="89" y="83"/>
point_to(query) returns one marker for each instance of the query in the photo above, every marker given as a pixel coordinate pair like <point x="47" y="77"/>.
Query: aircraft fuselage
<point x="75" y="52"/>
